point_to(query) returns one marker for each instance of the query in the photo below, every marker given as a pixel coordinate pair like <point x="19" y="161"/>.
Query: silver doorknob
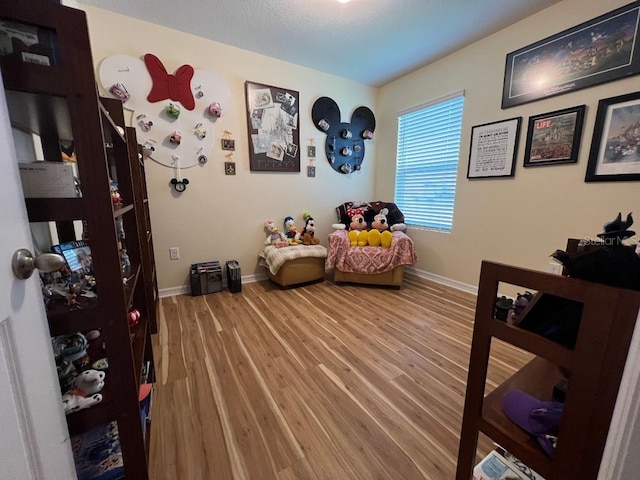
<point x="23" y="263"/>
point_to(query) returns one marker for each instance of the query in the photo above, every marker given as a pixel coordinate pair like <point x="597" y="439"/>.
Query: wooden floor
<point x="319" y="382"/>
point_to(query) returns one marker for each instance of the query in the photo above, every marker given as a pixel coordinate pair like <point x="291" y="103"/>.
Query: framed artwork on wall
<point x="228" y="144"/>
<point x="229" y="168"/>
<point x="311" y="151"/>
<point x="554" y="138"/>
<point x="615" y="147"/>
<point x="493" y="149"/>
<point x="273" y="128"/>
<point x="600" y="50"/>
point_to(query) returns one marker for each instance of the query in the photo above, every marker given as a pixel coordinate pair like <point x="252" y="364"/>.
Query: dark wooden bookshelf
<point x="593" y="366"/>
<point x="60" y="102"/>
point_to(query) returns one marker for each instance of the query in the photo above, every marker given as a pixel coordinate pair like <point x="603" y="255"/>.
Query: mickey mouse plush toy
<point x="379" y="233"/>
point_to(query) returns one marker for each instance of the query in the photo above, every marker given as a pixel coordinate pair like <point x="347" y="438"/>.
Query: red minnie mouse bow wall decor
<point x="165" y="86"/>
<point x="174" y="113"/>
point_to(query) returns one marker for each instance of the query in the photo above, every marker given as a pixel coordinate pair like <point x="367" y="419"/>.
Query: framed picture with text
<point x="554" y="138"/>
<point x="493" y="149"/>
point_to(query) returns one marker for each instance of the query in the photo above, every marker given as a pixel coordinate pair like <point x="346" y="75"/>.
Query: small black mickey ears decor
<point x="180" y="185"/>
<point x="344" y="146"/>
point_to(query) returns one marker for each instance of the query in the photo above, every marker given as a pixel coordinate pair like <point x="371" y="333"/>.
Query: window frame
<point x="447" y="179"/>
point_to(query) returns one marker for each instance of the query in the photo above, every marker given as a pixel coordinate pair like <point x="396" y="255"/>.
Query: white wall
<point x="519" y="220"/>
<point x="221" y="217"/>
<point x="522" y="220"/>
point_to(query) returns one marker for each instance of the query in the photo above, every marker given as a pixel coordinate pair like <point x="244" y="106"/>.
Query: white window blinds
<point x="427" y="163"/>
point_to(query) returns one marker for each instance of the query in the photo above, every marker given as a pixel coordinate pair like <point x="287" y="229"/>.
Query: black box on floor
<point x="205" y="278"/>
<point x="234" y="278"/>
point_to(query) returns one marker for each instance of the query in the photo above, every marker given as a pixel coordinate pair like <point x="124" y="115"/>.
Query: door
<point x="34" y="440"/>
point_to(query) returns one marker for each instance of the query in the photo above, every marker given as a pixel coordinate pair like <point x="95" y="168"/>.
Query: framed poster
<point x="273" y="128"/>
<point x="493" y="149"/>
<point x="597" y="51"/>
<point x="615" y="147"/>
<point x="554" y="138"/>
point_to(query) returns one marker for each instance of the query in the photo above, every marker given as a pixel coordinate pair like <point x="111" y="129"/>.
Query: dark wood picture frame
<point x="273" y="124"/>
<point x="493" y="150"/>
<point x="311" y="151"/>
<point x="229" y="168"/>
<point x="554" y="138"/>
<point x="600" y="50"/>
<point x="615" y="146"/>
<point x="228" y="144"/>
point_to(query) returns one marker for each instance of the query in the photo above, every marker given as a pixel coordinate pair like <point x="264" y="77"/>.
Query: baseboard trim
<point x="449" y="282"/>
<point x="185" y="290"/>
<point x="171" y="291"/>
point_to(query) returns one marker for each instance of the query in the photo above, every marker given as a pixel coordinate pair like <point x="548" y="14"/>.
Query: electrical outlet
<point x="174" y="253"/>
<point x="555" y="268"/>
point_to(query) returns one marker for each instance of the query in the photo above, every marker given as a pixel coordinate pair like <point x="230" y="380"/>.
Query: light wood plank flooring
<point x="319" y="382"/>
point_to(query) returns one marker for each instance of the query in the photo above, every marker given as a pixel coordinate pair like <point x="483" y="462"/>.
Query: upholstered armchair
<point x="371" y="265"/>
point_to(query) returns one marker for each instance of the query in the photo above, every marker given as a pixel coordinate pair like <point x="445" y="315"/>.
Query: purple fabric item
<point x="538" y="418"/>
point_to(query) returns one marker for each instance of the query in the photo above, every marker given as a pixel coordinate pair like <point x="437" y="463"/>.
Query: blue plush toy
<point x="290" y="230"/>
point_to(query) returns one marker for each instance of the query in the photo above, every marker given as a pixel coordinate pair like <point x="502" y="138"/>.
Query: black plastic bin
<point x="234" y="277"/>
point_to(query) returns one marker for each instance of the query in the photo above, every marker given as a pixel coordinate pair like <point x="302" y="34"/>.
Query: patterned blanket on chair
<point x="273" y="258"/>
<point x="346" y="258"/>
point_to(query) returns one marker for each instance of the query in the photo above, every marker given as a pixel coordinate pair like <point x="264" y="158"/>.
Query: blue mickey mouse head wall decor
<point x="344" y="146"/>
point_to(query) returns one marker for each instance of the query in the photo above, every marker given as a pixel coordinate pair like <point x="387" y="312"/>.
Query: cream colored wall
<point x="523" y="219"/>
<point x="221" y="217"/>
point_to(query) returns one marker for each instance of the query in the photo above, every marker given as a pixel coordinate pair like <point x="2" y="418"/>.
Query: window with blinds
<point x="427" y="162"/>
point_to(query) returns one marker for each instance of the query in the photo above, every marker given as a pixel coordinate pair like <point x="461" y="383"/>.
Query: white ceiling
<point x="370" y="41"/>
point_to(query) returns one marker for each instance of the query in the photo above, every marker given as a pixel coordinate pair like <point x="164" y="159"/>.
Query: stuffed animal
<point x="274" y="236"/>
<point x="89" y="381"/>
<point x="115" y="193"/>
<point x="308" y="232"/>
<point x="292" y="233"/>
<point x="379" y="233"/>
<point x="75" y="400"/>
<point x="358" y="235"/>
<point x="398" y="227"/>
<point x="84" y="393"/>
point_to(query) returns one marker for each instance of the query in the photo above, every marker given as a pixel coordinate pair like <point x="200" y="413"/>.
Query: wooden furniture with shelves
<point x="59" y="101"/>
<point x="141" y="204"/>
<point x="595" y="367"/>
